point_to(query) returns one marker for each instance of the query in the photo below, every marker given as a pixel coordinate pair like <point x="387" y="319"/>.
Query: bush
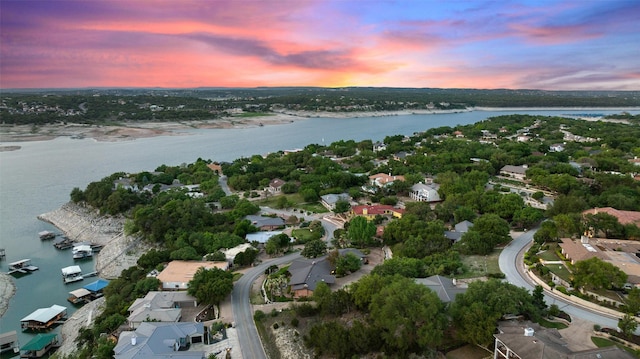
<point x="597" y="327"/>
<point x="496" y="275"/>
<point x="294" y="322"/>
<point x="275" y="326"/>
<point x="259" y="315"/>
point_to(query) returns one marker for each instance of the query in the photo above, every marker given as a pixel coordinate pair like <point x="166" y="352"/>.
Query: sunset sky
<point x="534" y="44"/>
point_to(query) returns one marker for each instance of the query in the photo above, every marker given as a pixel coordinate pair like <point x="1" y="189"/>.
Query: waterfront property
<point x="153" y="340"/>
<point x="22" y="266"/>
<point x="43" y="318"/>
<point x="177" y="274"/>
<point x="95" y="288"/>
<point x="9" y="342"/>
<point x="40" y="345"/>
<point x="159" y="307"/>
<point x="71" y="274"/>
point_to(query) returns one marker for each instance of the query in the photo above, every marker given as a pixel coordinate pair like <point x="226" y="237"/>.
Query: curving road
<point x="512" y="265"/>
<point x="250" y="344"/>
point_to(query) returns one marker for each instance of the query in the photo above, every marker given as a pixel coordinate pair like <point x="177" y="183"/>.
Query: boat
<point x="47" y="235"/>
<point x="71" y="274"/>
<point x="22" y="266"/>
<point x="9" y="342"/>
<point x="44" y="318"/>
<point x="82" y="251"/>
<point x="65" y="243"/>
<point x="40" y="345"/>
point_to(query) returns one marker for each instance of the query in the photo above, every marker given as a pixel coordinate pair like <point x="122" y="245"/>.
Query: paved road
<point x="250" y="344"/>
<point x="511" y="264"/>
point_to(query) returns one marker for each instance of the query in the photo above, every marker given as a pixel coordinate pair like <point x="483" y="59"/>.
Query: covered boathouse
<point x="43" y="318"/>
<point x="40" y="345"/>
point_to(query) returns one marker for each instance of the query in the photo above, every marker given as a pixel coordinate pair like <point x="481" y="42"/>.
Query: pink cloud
<point x="552" y="35"/>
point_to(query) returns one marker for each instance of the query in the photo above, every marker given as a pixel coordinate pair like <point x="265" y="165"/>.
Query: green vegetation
<point x="380" y="307"/>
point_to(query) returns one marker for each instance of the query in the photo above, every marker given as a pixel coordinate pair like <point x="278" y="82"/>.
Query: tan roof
<point x="183" y="271"/>
<point x="576" y="251"/>
<point x="624" y="217"/>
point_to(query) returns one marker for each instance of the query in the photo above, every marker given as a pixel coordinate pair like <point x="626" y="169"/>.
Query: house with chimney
<point x="162" y="340"/>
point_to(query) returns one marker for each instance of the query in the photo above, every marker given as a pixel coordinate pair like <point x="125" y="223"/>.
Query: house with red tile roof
<point x="371" y="211"/>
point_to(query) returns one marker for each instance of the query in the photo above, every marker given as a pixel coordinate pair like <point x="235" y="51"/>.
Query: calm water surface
<point x="39" y="177"/>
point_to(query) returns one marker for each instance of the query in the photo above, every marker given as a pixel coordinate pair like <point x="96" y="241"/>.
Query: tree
<point x="347" y="263"/>
<point x="342" y="206"/>
<point x="488" y="231"/>
<point x="628" y="325"/>
<point x="401" y="310"/>
<point x="595" y="273"/>
<point x="361" y="232"/>
<point x="476" y="312"/>
<point x="314" y="248"/>
<point x="633" y="301"/>
<point x="211" y="286"/>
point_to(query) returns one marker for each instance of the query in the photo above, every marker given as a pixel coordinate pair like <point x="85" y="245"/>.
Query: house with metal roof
<point x="177" y="274"/>
<point x="43" y="318"/>
<point x="446" y="288"/>
<point x="264" y="223"/>
<point x="161" y="340"/>
<point x="425" y="193"/>
<point x="160" y="307"/>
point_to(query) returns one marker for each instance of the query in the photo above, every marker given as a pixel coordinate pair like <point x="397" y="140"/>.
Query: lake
<point x="39" y="177"/>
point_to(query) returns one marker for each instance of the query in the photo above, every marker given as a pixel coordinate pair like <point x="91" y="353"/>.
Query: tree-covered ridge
<point x="104" y="106"/>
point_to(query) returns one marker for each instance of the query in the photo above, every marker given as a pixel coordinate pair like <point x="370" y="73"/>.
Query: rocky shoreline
<point x="84" y="224"/>
<point x="7" y="290"/>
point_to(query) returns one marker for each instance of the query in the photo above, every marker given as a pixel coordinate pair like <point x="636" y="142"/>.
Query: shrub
<point x="295" y="322"/>
<point x="258" y="316"/>
<point x="597" y="327"/>
<point x="275" y="326"/>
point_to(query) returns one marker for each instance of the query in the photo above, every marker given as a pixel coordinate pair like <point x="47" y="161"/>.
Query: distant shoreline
<point x="135" y="130"/>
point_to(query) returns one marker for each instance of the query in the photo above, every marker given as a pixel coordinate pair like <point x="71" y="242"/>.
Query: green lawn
<point x="547" y="324"/>
<point x="479" y="266"/>
<point x="549" y="255"/>
<point x="303" y="234"/>
<point x="560" y="270"/>
<point x="603" y="343"/>
<point x="296" y="202"/>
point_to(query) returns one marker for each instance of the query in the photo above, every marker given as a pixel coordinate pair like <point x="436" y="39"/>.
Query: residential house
<point x="621" y="255"/>
<point x="231" y="253"/>
<point x="216" y="168"/>
<point x="261" y="237"/>
<point x="126" y="184"/>
<point x="458" y="134"/>
<point x="515" y="172"/>
<point x="161" y="340"/>
<point x="159" y="307"/>
<point x="556" y="147"/>
<point x="635" y="161"/>
<point x="401" y="156"/>
<point x="379" y="146"/>
<point x="371" y="211"/>
<point x="382" y="179"/>
<point x="523" y="138"/>
<point x="307" y="273"/>
<point x="177" y="274"/>
<point x="447" y="289"/>
<point x="329" y="200"/>
<point x="624" y="217"/>
<point x="425" y="192"/>
<point x="459" y="230"/>
<point x="527" y="340"/>
<point x="275" y="186"/>
<point x="264" y="223"/>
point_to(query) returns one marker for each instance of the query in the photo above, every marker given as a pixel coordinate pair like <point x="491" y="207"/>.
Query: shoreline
<point x="15" y="134"/>
<point x="7" y="290"/>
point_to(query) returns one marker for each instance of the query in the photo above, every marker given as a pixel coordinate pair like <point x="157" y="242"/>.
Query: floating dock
<point x="22" y="266"/>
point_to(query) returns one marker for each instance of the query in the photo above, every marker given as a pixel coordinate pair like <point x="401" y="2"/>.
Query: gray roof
<point x="307" y="273"/>
<point x="157" y="340"/>
<point x="260" y="221"/>
<point x="161" y="300"/>
<point x="514" y="169"/>
<point x="463" y="226"/>
<point x="453" y="235"/>
<point x="443" y="286"/>
<point x="44" y="315"/>
<point x="332" y="198"/>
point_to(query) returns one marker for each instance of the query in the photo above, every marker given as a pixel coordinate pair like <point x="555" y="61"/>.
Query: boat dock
<point x="22" y="266"/>
<point x="46" y="235"/>
<point x="2" y="253"/>
<point x="44" y="318"/>
<point x="9" y="342"/>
